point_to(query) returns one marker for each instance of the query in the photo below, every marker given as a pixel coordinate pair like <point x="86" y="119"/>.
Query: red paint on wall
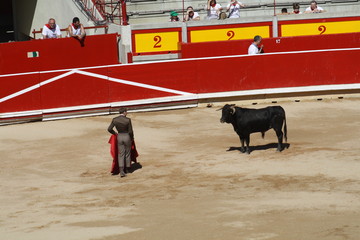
<point x="74" y="90"/>
<point x="281" y="44"/>
<point x="195" y="76"/>
<point x="13" y="84"/>
<point x="58" y="54"/>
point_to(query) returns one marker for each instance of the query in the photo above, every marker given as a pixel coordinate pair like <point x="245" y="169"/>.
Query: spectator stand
<point x="105" y="27"/>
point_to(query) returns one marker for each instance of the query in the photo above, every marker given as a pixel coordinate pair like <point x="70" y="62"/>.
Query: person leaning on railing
<point x="51" y="30"/>
<point x="191" y="15"/>
<point x="296" y="8"/>
<point x="76" y="29"/>
<point x="314" y="8"/>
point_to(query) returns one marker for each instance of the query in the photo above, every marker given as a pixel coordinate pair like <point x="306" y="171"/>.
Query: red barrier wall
<point x="281" y="44"/>
<point x="58" y="54"/>
<point x="182" y="78"/>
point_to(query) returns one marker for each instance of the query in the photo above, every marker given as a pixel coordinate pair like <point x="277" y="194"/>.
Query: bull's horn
<point x="233" y="109"/>
<point x="219" y="109"/>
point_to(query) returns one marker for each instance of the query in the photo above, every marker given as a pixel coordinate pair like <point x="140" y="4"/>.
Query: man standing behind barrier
<point x="255" y="47"/>
<point x="125" y="136"/>
<point x="51" y="30"/>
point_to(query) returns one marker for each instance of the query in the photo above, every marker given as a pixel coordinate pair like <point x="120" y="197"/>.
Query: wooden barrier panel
<point x="167" y="40"/>
<point x="88" y="88"/>
<point x="319" y="26"/>
<point x="52" y="54"/>
<point x="74" y="88"/>
<point x="228" y="32"/>
<point x="156" y="41"/>
<point x="20" y="93"/>
<point x="282" y="44"/>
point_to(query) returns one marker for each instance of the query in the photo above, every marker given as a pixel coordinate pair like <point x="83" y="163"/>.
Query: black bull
<point x="246" y="121"/>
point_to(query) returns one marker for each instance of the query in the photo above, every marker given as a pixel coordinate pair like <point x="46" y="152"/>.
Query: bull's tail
<point x="263" y="135"/>
<point x="285" y="128"/>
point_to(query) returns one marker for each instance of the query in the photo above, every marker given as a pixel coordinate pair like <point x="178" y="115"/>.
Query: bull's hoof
<point x="247" y="152"/>
<point x="242" y="150"/>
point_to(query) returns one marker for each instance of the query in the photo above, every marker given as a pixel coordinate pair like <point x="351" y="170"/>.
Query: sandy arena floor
<point x="55" y="180"/>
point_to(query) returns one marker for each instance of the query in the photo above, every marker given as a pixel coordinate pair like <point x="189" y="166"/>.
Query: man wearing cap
<point x="174" y="17"/>
<point x="125" y="136"/>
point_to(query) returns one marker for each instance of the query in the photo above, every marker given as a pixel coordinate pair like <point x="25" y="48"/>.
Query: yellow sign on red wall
<point x="226" y="34"/>
<point x="157" y="42"/>
<point x="306" y="29"/>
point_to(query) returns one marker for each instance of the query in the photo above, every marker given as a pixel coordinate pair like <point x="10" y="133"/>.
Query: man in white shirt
<point x="234" y="9"/>
<point x="254" y="47"/>
<point x="51" y="30"/>
<point x="314" y="8"/>
<point x="76" y="29"/>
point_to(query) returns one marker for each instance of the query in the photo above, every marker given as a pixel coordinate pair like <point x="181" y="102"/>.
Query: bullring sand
<point x="193" y="184"/>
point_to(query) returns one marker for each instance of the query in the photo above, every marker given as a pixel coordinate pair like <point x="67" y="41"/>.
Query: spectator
<point x="174" y="17"/>
<point x="255" y="47"/>
<point x="191" y="15"/>
<point x="234" y="9"/>
<point x="222" y="15"/>
<point x="213" y="9"/>
<point x="283" y="12"/>
<point x="51" y="30"/>
<point x="125" y="137"/>
<point x="296" y="8"/>
<point x="76" y="29"/>
<point x="314" y="8"/>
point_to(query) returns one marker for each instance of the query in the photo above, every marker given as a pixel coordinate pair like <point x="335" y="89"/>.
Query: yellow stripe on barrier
<point x="157" y="42"/>
<point x="306" y="29"/>
<point x="229" y="34"/>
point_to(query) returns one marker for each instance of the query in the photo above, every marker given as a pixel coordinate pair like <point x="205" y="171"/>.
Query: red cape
<point x="114" y="153"/>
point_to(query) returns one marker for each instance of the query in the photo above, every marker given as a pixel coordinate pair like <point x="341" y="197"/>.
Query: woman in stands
<point x="213" y="9"/>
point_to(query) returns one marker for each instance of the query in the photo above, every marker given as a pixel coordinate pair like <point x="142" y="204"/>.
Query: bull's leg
<point x="247" y="140"/>
<point x="279" y="135"/>
<point x="242" y="149"/>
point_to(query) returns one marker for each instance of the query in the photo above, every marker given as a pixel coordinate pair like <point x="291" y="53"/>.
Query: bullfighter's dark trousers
<point x="124" y="148"/>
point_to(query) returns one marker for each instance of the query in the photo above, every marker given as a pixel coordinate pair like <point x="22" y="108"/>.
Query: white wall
<point x="62" y="11"/>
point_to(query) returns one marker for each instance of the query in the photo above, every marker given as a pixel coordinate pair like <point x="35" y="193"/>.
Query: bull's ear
<point x="232" y="105"/>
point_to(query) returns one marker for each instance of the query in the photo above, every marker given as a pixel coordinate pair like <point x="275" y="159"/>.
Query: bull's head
<point x="227" y="112"/>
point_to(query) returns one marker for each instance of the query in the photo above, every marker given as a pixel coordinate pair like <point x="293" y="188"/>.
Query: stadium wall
<point x="98" y="90"/>
<point x="53" y="54"/>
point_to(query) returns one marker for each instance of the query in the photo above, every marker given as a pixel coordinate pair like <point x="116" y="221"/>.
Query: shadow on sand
<point x="133" y="168"/>
<point x="260" y="147"/>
